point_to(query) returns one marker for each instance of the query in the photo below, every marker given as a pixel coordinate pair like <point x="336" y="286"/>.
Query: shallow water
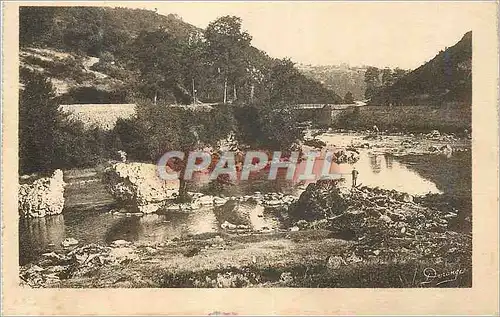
<point x="42" y="235"/>
<point x="414" y="176"/>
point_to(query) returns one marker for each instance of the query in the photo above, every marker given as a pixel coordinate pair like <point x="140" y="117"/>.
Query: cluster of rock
<point x="228" y="280"/>
<point x="53" y="267"/>
<point x="445" y="149"/>
<point x="139" y="186"/>
<point x="45" y="196"/>
<point x="323" y="199"/>
<point x="313" y="142"/>
<point x="343" y="156"/>
<point x="383" y="223"/>
<point x="438" y="136"/>
<point x="199" y="200"/>
<point x="270" y="200"/>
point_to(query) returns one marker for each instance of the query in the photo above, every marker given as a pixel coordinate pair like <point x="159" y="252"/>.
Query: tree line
<point x="377" y="79"/>
<point x="252" y="91"/>
<point x="50" y="139"/>
<point x="163" y="58"/>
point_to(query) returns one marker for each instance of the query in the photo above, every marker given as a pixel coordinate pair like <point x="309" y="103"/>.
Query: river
<point x="416" y="175"/>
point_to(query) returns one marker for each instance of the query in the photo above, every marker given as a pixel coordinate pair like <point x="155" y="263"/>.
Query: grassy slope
<point x="444" y="79"/>
<point x="437" y="95"/>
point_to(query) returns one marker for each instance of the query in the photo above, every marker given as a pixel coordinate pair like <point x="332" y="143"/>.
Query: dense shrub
<point x="91" y="95"/>
<point x="49" y="139"/>
<point x="266" y="127"/>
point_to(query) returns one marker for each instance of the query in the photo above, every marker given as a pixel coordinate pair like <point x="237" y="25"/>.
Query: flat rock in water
<point x="69" y="242"/>
<point x="120" y="243"/>
<point x="121" y="254"/>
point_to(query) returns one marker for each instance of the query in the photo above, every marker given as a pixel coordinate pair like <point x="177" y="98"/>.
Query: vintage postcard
<point x="243" y="158"/>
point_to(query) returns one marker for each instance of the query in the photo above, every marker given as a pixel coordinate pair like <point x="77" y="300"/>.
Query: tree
<point x="284" y="83"/>
<point x="158" y="56"/>
<point x="37" y="121"/>
<point x="165" y="128"/>
<point x="84" y="31"/>
<point x="372" y="81"/>
<point x="288" y="86"/>
<point x="398" y="73"/>
<point x="348" y="98"/>
<point x="132" y="138"/>
<point x="229" y="46"/>
<point x="49" y="139"/>
<point x="262" y="126"/>
<point x="387" y="77"/>
<point x="195" y="63"/>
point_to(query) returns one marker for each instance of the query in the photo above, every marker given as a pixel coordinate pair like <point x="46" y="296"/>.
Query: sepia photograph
<point x="247" y="145"/>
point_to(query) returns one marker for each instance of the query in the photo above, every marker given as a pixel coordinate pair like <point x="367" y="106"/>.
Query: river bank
<point x="310" y="258"/>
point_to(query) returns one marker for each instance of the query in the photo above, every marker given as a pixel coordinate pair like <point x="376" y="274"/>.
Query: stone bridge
<point x="324" y="114"/>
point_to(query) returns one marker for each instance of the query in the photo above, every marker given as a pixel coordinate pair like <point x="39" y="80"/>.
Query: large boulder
<point x="45" y="196"/>
<point x="323" y="199"/>
<point x="139" y="186"/>
<point x="239" y="213"/>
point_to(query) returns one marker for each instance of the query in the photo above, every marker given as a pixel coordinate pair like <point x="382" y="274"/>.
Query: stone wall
<point x="45" y="196"/>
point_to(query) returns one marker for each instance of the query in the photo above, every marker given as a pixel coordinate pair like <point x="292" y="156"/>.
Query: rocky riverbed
<point x="397" y="144"/>
<point x="328" y="234"/>
<point x="332" y="233"/>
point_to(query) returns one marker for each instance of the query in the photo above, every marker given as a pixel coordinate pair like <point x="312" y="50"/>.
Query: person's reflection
<point x="375" y="163"/>
<point x="389" y="159"/>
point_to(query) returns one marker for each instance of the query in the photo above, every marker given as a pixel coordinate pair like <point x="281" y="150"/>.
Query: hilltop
<point x="446" y="80"/>
<point x="105" y="55"/>
<point x="339" y="78"/>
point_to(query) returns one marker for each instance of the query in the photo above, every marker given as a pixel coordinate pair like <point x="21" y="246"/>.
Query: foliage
<point x="288" y="86"/>
<point x="92" y="95"/>
<point x="348" y="98"/>
<point x="157" y="55"/>
<point x="372" y="81"/>
<point x="47" y="138"/>
<point x="164" y="57"/>
<point x="131" y="137"/>
<point x="35" y="24"/>
<point x="407" y="119"/>
<point x="37" y="121"/>
<point x="229" y="45"/>
<point x="266" y="127"/>
<point x="76" y="146"/>
<point x="377" y="79"/>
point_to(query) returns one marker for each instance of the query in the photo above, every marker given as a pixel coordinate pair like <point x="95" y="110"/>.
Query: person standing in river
<point x="354" y="176"/>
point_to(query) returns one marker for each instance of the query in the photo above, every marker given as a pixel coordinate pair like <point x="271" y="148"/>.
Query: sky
<point x="379" y="34"/>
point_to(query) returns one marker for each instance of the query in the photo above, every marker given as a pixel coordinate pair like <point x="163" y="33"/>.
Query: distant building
<point x="103" y="116"/>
